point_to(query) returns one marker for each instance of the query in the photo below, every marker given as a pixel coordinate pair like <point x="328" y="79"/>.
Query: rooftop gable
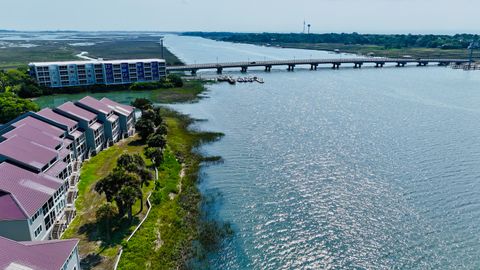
<point x="37" y="135"/>
<point x="38" y="255"/>
<point x="39" y="124"/>
<point x="29" y="190"/>
<point x="95" y="105"/>
<point x="75" y="111"/>
<point x="58" y="118"/>
<point x="28" y="152"/>
<point x="122" y="109"/>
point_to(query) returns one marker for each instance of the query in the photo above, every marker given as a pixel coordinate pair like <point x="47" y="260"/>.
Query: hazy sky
<point x="416" y="16"/>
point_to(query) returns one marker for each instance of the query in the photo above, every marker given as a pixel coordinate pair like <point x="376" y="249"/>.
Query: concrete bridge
<point x="314" y="63"/>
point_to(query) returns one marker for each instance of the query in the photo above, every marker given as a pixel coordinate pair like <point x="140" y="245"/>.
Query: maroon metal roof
<point x="117" y="107"/>
<point x="40" y="125"/>
<point x="38" y="255"/>
<point x="96" y="105"/>
<point x="10" y="210"/>
<point x="96" y="125"/>
<point x="55" y="117"/>
<point x="34" y="134"/>
<point x="29" y="190"/>
<point x="56" y="169"/>
<point x="74" y="110"/>
<point x="27" y="152"/>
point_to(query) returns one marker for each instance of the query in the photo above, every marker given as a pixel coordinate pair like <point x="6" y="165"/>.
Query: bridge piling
<point x="193" y="72"/>
<point x="379" y="64"/>
<point x="219" y="70"/>
<point x="244" y="69"/>
<point x="291" y="67"/>
<point x="358" y="65"/>
<point x="401" y="64"/>
<point x="336" y="65"/>
<point x="313" y="66"/>
<point x="268" y="68"/>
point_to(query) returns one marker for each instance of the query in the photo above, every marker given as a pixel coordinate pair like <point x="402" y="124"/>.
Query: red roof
<point x="38" y="255"/>
<point x="29" y="190"/>
<point x="117" y="107"/>
<point x="27" y="152"/>
<point x="55" y="117"/>
<point x="95" y="105"/>
<point x="34" y="134"/>
<point x="38" y="124"/>
<point x="75" y="111"/>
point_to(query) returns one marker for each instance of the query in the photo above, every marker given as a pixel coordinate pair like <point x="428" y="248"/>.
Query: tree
<point x="129" y="195"/>
<point x="175" y="79"/>
<point x="112" y="184"/>
<point x="135" y="164"/>
<point x="12" y="106"/>
<point x="144" y="127"/>
<point x="157" y="140"/>
<point x="142" y="104"/>
<point x="104" y="215"/>
<point x="155" y="154"/>
<point x="153" y="115"/>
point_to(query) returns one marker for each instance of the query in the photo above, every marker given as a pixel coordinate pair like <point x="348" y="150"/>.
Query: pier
<point x="314" y="63"/>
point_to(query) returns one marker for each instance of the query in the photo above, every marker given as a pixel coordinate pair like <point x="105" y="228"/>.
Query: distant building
<point x="39" y="255"/>
<point x="103" y="72"/>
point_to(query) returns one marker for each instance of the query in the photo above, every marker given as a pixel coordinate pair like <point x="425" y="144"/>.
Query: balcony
<point x="61" y="224"/>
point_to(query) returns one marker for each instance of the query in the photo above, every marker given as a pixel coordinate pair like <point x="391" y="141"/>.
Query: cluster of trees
<point x="12" y="106"/>
<point x="151" y="130"/>
<point x="459" y="41"/>
<point x="171" y="81"/>
<point x="19" y="82"/>
<point x="124" y="187"/>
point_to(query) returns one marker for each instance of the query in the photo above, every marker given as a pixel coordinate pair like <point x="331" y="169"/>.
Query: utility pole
<point x="304" y="24"/>
<point x="309" y="28"/>
<point x="473" y="45"/>
<point x="161" y="47"/>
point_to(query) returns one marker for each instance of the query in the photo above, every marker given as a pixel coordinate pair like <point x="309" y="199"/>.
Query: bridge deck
<point x="336" y="61"/>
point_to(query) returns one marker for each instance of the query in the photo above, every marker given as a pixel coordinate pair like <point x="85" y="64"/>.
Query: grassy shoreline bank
<point x="174" y="235"/>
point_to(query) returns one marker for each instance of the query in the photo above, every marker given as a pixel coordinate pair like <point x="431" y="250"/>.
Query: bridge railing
<point x="313" y="62"/>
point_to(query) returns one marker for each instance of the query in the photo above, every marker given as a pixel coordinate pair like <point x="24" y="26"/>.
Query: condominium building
<point x="30" y="203"/>
<point x="105" y="114"/>
<point x="103" y="72"/>
<point x="39" y="157"/>
<point x="88" y="121"/>
<point x="126" y="114"/>
<point x="39" y="255"/>
<point x="74" y="132"/>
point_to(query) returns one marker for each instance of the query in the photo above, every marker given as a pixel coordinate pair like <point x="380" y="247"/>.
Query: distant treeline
<point x="458" y="41"/>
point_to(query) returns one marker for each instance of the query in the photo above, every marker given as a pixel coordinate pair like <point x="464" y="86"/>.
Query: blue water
<point x="364" y="169"/>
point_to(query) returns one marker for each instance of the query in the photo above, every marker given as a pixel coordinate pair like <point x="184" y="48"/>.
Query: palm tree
<point x="128" y="195"/>
<point x="105" y="214"/>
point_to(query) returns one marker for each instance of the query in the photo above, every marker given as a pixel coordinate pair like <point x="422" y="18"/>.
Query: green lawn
<point x="102" y="254"/>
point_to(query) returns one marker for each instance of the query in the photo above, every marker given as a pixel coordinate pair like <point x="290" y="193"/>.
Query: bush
<point x="12" y="106"/>
<point x="175" y="79"/>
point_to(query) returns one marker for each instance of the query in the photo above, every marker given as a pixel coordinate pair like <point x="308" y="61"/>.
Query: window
<point x="38" y="231"/>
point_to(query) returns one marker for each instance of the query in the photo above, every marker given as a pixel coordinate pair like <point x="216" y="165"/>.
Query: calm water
<point x="370" y="168"/>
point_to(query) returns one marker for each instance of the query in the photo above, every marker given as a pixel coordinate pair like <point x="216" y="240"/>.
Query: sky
<point x="363" y="16"/>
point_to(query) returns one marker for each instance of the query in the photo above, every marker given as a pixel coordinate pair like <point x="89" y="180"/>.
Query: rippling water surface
<point x="370" y="168"/>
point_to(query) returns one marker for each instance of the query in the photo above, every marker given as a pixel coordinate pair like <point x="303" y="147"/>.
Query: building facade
<point x="40" y="158"/>
<point x="39" y="255"/>
<point x="97" y="72"/>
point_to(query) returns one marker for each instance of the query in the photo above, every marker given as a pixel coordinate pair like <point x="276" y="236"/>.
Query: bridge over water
<point x="314" y="63"/>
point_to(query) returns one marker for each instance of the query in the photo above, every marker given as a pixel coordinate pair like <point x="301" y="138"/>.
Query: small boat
<point x="231" y="80"/>
<point x="240" y="80"/>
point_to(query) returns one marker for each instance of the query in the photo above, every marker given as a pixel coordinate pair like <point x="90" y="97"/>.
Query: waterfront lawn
<point x="165" y="240"/>
<point x="95" y="251"/>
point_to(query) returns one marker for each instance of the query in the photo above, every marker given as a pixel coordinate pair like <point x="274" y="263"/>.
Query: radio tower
<point x="304" y="24"/>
